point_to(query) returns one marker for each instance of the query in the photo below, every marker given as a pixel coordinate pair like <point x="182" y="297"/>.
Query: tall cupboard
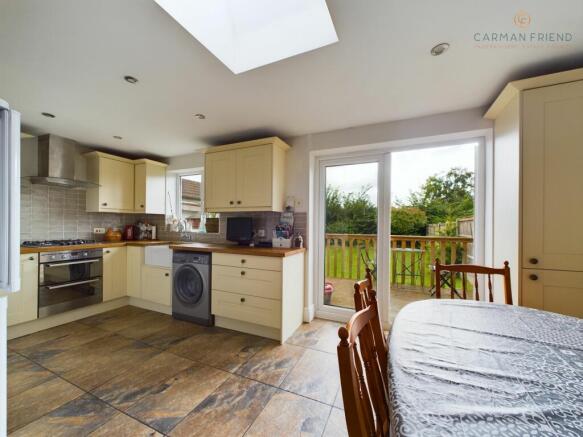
<point x="543" y="118"/>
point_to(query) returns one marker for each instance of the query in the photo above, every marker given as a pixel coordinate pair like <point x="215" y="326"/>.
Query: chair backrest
<point x="476" y="270"/>
<point x="365" y="396"/>
<point x="365" y="296"/>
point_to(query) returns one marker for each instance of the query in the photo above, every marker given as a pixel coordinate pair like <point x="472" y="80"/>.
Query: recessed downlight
<point x="48" y="114"/>
<point x="117" y="137"/>
<point x="130" y="79"/>
<point x="199" y="116"/>
<point x="439" y="49"/>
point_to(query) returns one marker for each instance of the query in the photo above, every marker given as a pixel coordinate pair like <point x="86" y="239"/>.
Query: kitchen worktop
<point x="238" y="250"/>
<point x="99" y="245"/>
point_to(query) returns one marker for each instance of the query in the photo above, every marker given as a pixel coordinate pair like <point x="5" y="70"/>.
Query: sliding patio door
<point x="352" y="194"/>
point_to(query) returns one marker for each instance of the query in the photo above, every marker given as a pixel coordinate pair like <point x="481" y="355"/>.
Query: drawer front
<point x="251" y="282"/>
<point x="251" y="309"/>
<point x="249" y="261"/>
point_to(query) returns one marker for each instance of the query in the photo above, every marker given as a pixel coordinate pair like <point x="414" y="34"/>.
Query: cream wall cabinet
<point x="114" y="273"/>
<point x="246" y="176"/>
<point x="23" y="304"/>
<point x="115" y="176"/>
<point x="150" y="187"/>
<point x="538" y="121"/>
<point x="157" y="285"/>
<point x="260" y="295"/>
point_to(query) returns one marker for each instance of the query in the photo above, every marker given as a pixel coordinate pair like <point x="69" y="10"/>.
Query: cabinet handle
<point x="141" y="206"/>
<point x="238" y="202"/>
<point x="243" y="261"/>
<point x="108" y="251"/>
<point x="104" y="204"/>
<point x="166" y="274"/>
<point x="231" y="202"/>
<point x="242" y="299"/>
<point x="31" y="258"/>
<point x="533" y="277"/>
<point x="242" y="273"/>
<point x="533" y="261"/>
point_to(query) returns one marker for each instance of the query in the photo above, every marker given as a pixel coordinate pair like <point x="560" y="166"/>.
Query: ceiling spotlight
<point x="48" y="114"/>
<point x="130" y="79"/>
<point x="440" y="49"/>
<point x="117" y="137"/>
<point x="200" y="116"/>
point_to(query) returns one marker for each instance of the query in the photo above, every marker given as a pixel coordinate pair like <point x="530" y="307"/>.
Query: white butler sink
<point x="158" y="256"/>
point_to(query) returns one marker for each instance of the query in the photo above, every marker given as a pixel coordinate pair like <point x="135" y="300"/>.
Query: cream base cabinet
<point x="150" y="187"/>
<point x="23" y="304"/>
<point x="135" y="259"/>
<point x="246" y="176"/>
<point x="114" y="273"/>
<point x="157" y="285"/>
<point x="551" y="290"/>
<point x="115" y="176"/>
<point x="259" y="295"/>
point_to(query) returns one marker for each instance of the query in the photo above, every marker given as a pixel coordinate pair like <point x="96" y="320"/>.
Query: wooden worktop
<point x="237" y="250"/>
<point x="100" y="245"/>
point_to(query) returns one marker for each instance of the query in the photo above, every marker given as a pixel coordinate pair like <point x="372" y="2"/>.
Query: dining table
<point x="468" y="368"/>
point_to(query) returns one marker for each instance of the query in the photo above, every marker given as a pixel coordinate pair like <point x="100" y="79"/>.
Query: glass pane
<point x="432" y="216"/>
<point x="191" y="201"/>
<point x="351" y="229"/>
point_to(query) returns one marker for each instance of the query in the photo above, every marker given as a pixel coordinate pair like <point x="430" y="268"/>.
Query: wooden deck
<point x="400" y="295"/>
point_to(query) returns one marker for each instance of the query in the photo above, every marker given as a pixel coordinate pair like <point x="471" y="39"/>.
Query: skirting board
<point x="309" y="313"/>
<point x="249" y="328"/>
<point x="148" y="305"/>
<point x="66" y="317"/>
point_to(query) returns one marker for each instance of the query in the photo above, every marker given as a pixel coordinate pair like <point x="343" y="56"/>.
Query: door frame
<point x="483" y="204"/>
<point x="339" y="313"/>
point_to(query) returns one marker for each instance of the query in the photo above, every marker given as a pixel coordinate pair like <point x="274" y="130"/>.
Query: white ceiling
<point x="68" y="57"/>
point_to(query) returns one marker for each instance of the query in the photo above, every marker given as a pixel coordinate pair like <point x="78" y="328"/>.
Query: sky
<point x="409" y="170"/>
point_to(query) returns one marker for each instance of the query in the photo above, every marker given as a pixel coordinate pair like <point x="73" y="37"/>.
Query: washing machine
<point x="191" y="287"/>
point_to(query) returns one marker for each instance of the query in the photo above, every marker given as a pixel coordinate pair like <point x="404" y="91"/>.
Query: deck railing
<point x="412" y="256"/>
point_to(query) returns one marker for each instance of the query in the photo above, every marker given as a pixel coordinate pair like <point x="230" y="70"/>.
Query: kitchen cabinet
<point x="247" y="176"/>
<point x="150" y="187"/>
<point x="553" y="290"/>
<point x="157" y="284"/>
<point x="135" y="259"/>
<point x="260" y="295"/>
<point x="538" y="189"/>
<point x="23" y="304"/>
<point x="115" y="176"/>
<point x="114" y="273"/>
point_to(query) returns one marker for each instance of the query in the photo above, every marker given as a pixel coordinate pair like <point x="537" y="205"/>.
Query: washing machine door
<point x="188" y="285"/>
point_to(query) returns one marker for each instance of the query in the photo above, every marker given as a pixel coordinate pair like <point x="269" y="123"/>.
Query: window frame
<point x="178" y="199"/>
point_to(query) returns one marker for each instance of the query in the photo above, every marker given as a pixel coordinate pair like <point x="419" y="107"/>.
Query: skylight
<point x="248" y="34"/>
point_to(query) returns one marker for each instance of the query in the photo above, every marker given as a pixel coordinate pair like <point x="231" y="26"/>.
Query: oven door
<point x="64" y="286"/>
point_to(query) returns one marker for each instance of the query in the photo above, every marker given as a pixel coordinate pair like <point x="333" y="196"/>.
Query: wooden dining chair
<point x="476" y="270"/>
<point x="365" y="396"/>
<point x="365" y="296"/>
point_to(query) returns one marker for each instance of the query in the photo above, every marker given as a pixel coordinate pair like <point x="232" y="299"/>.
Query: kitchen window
<point x="190" y="201"/>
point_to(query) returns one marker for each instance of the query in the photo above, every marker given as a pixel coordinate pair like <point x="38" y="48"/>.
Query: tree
<point x="408" y="220"/>
<point x="350" y="213"/>
<point x="445" y="198"/>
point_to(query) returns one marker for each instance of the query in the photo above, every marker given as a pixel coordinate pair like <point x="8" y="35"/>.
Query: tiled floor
<point x="135" y="372"/>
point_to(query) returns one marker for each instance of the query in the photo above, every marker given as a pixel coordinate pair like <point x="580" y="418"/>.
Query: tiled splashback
<point x="52" y="213"/>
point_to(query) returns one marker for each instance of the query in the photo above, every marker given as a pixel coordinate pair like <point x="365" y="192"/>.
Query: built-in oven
<point x="68" y="280"/>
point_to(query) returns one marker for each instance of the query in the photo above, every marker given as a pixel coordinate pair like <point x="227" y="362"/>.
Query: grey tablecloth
<point x="481" y="369"/>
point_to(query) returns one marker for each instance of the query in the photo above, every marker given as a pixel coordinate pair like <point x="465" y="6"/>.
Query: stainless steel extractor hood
<point x="59" y="162"/>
